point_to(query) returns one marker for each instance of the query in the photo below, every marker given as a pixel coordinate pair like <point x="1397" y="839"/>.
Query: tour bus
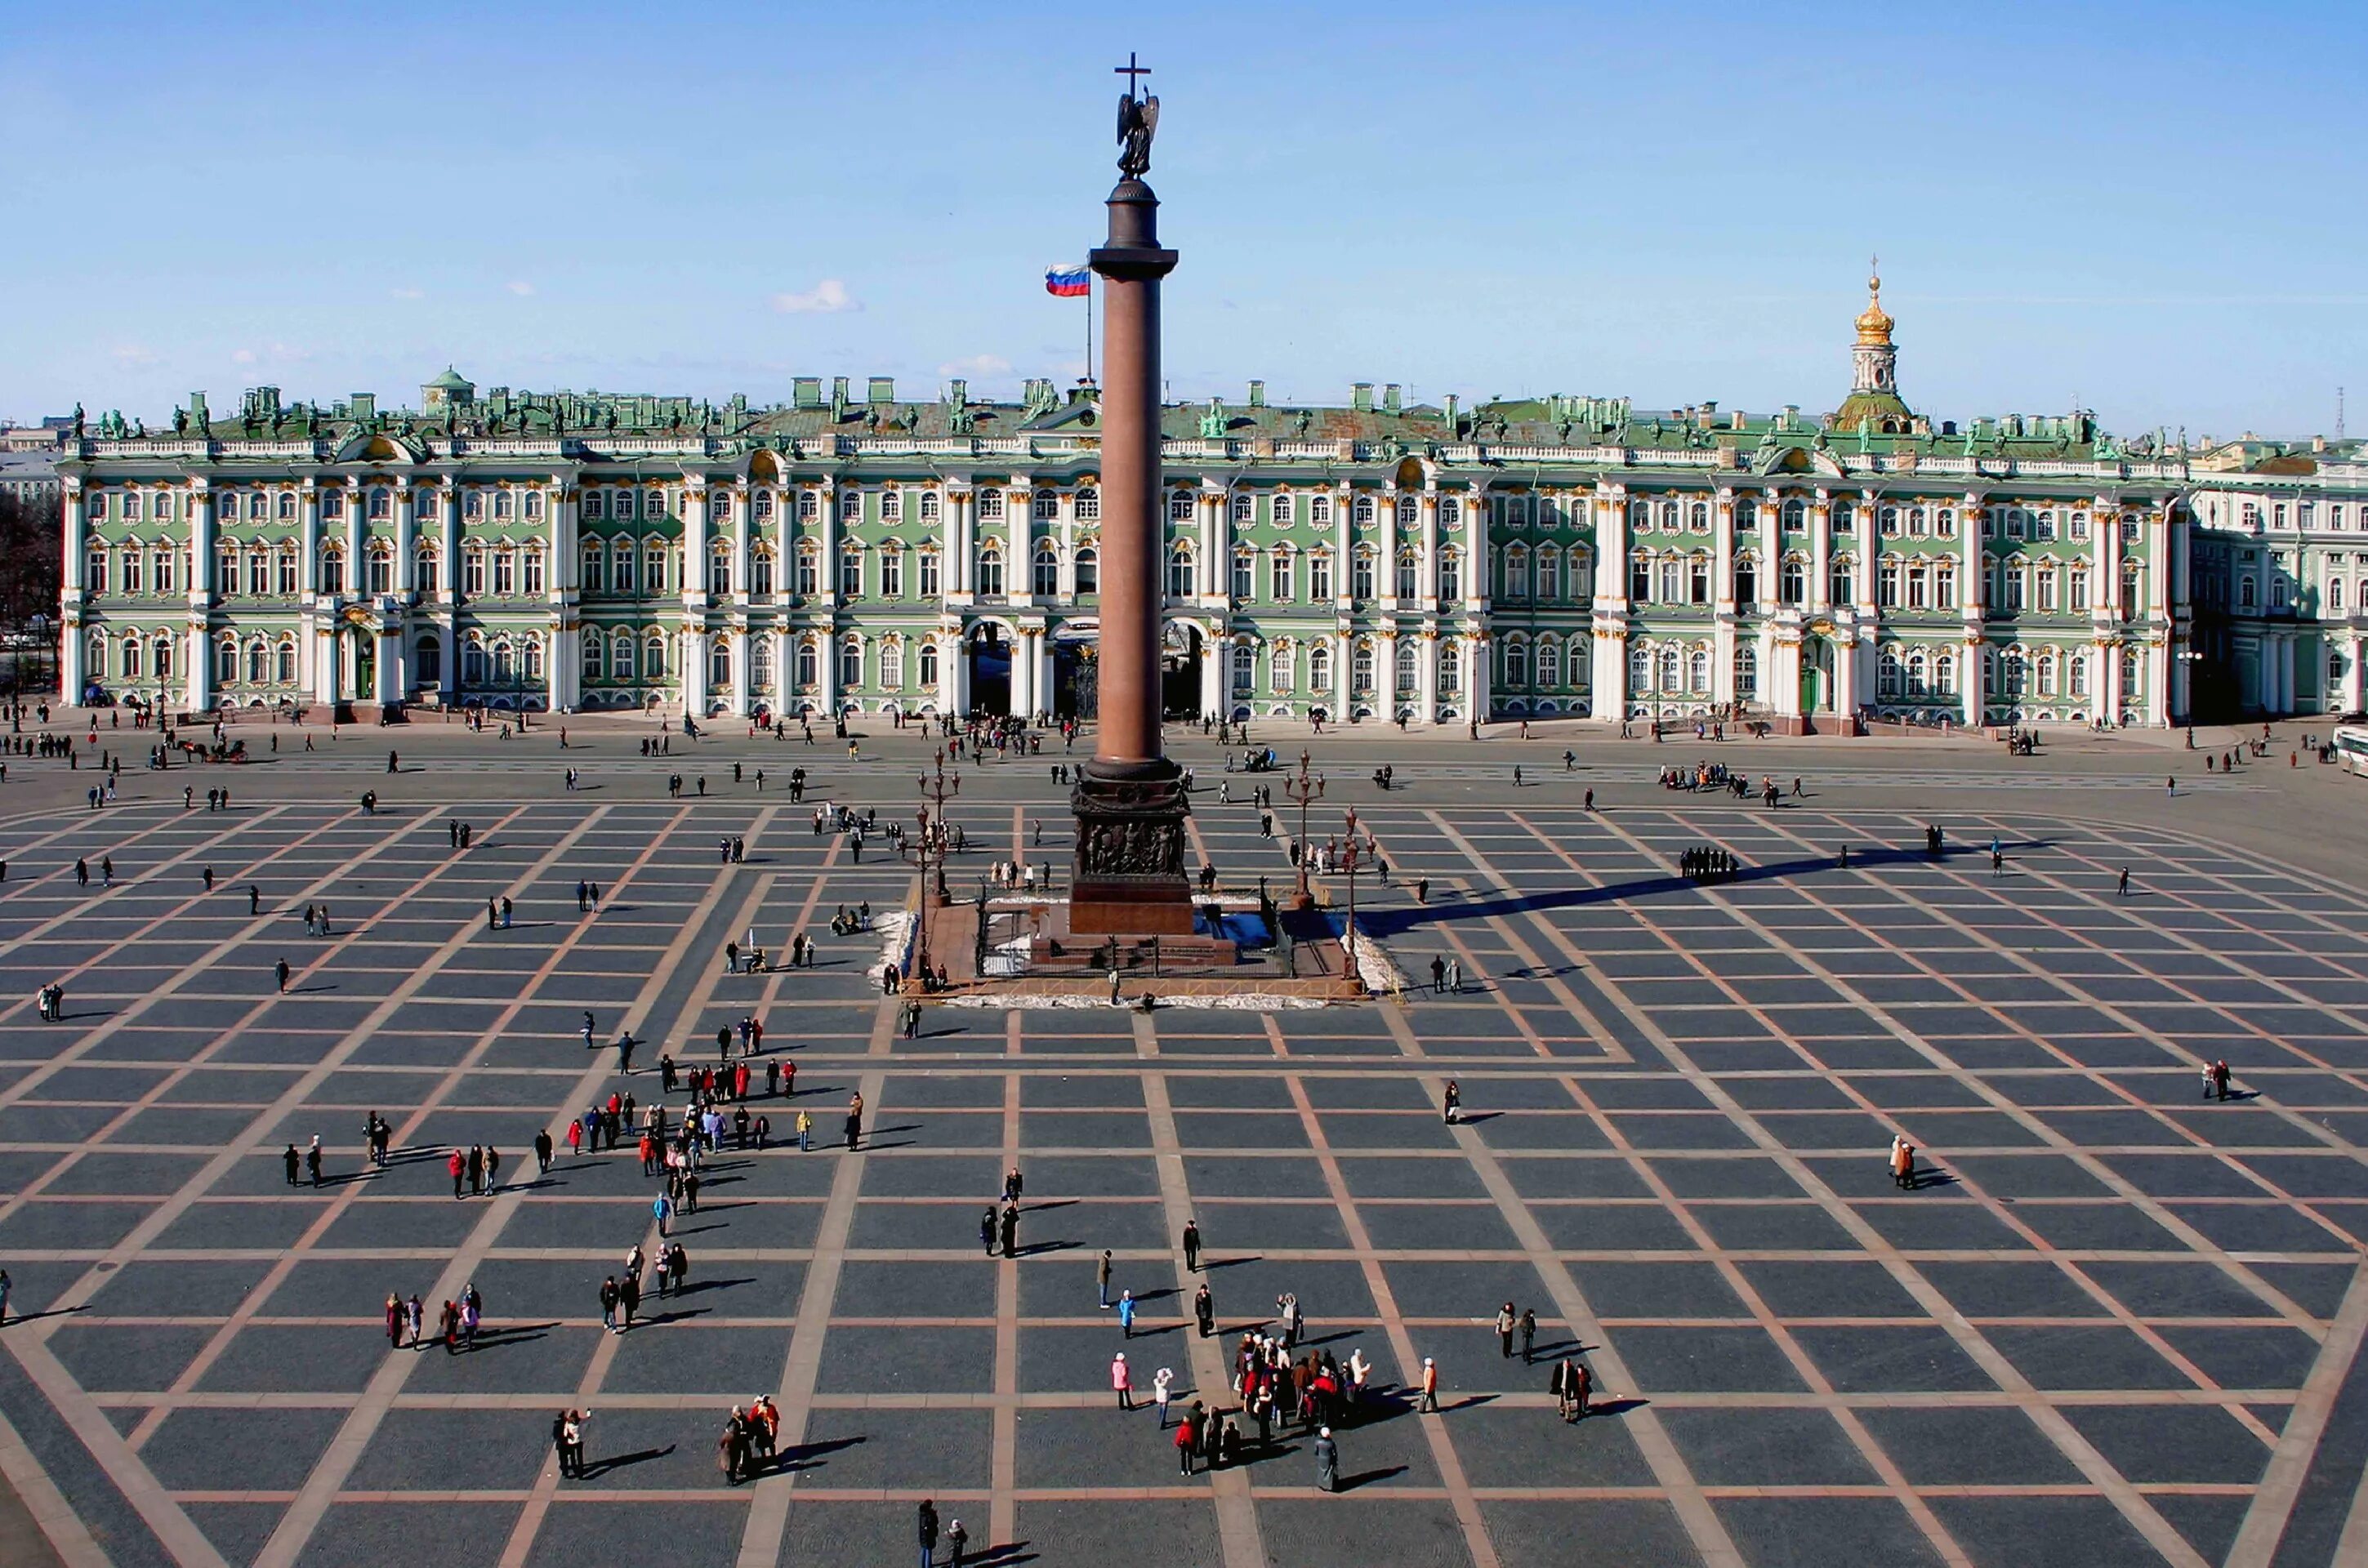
<point x="2351" y="743"/>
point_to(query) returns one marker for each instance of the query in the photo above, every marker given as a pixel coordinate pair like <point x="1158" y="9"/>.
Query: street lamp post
<point x="1306" y="789"/>
<point x="936" y="788"/>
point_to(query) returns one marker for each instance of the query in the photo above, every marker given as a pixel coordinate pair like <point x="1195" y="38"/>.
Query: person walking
<point x="280" y="972"/>
<point x="957" y="1541"/>
<point x="312" y="1160"/>
<point x="394" y="1321"/>
<point x="2121" y="890"/>
<point x="458" y="1164"/>
<point x="1327" y="1461"/>
<point x="855" y="1122"/>
<point x="1162" y="1381"/>
<point x="1450" y="1104"/>
<point x="291" y="1159"/>
<point x="928" y="1531"/>
<point x="1122" y="1381"/>
<point x="1193" y="1247"/>
<point x="1101" y="1275"/>
<point x="662" y="1208"/>
<point x="1429" y="1385"/>
<point x="1126" y="1314"/>
<point x="1204" y="1311"/>
<point x="1011" y="1230"/>
<point x="1184" y="1441"/>
<point x="1528" y="1336"/>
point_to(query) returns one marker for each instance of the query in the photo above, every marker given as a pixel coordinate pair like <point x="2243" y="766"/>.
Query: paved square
<point x="2119" y="1323"/>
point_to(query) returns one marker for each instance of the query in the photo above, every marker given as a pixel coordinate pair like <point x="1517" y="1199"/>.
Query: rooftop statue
<point x="1137" y="119"/>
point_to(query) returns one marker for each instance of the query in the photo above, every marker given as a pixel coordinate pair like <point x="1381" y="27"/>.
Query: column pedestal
<point x="1129" y="878"/>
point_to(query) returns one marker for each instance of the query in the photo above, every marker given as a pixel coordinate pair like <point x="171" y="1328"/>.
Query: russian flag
<point x="1069" y="282"/>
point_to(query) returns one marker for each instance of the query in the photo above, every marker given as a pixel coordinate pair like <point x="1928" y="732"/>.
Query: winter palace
<point x="1375" y="562"/>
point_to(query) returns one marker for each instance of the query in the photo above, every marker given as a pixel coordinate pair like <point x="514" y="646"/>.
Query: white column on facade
<point x="690" y="658"/>
<point x="1386" y="565"/>
<point x="1821" y="550"/>
<point x="2353" y="687"/>
<point x="1772" y="551"/>
<point x="357" y="539"/>
<point x="198" y="646"/>
<point x="1023" y="672"/>
<point x="2105" y="589"/>
<point x="1343" y="671"/>
<point x="1426" y="672"/>
<point x="1845" y="679"/>
<point x="744" y="516"/>
<point x="1216" y="566"/>
<point x="827" y="699"/>
<point x="1722" y="549"/>
<point x="1427" y="565"/>
<point x="1477" y="533"/>
<point x="953" y="569"/>
<point x="2106" y="681"/>
<point x="694" y="548"/>
<point x="1216" y="656"/>
<point x="950" y="661"/>
<point x="404" y="533"/>
<point x="1970" y="677"/>
<point x="2289" y="696"/>
<point x="449" y="591"/>
<point x="327" y="654"/>
<point x="75" y="526"/>
<point x="1066" y="583"/>
<point x="1385" y="675"/>
<point x="386" y="673"/>
<point x="737" y="641"/>
<point x="1343" y="579"/>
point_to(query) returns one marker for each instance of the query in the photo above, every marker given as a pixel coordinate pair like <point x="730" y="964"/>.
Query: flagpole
<point x="1089" y="326"/>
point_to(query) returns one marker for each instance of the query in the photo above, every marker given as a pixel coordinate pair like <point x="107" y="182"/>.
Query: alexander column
<point x="1130" y="799"/>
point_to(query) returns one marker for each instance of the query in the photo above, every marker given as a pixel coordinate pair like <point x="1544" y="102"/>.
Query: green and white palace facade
<point x="1372" y="563"/>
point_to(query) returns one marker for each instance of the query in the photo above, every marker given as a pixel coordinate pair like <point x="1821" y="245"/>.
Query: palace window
<point x="1181" y="579"/>
<point x="1090" y="570"/>
<point x="1319" y="576"/>
<point x="654" y="656"/>
<point x="892" y="505"/>
<point x="505" y="573"/>
<point x="929" y="663"/>
<point x="381" y="570"/>
<point x="1698" y="580"/>
<point x="1640" y="668"/>
<point x="809" y="570"/>
<point x="1842" y="586"/>
<point x="1243" y="562"/>
<point x="1792" y="582"/>
<point x="1319" y="510"/>
<point x="594" y="568"/>
<point x="1886" y="586"/>
<point x="162" y="559"/>
<point x="333" y="504"/>
<point x="850" y="570"/>
<point x="760" y="507"/>
<point x="1044" y="570"/>
<point x="1362" y="514"/>
<point x="596" y="655"/>
<point x="1670" y="574"/>
<point x="1451" y="573"/>
<point x="1244" y="508"/>
<point x="2076" y="590"/>
<point x="622" y="559"/>
<point x="892" y="665"/>
<point x="1319" y="666"/>
<point x="1747" y="672"/>
<point x="2047" y="587"/>
<point x="809" y="506"/>
<point x="719" y="665"/>
<point x="1944" y="585"/>
<point x="1048" y="506"/>
<point x="931" y="577"/>
<point x="892" y="573"/>
<point x="473" y="571"/>
<point x="1640" y="576"/>
<point x="929" y="506"/>
<point x="1180" y="506"/>
<point x="850" y="664"/>
<point x="1361" y="670"/>
<point x="1887" y="522"/>
<point x="1450" y="672"/>
<point x="719" y="568"/>
<point x="132" y="570"/>
<point x="535" y="584"/>
<point x="990" y="570"/>
<point x="1409" y="585"/>
<point x="1919" y="523"/>
<point x="1282" y="508"/>
<point x="333" y="570"/>
<point x="2079" y="535"/>
<point x="850" y="505"/>
<point x="1361" y="574"/>
<point x="595" y="505"/>
<point x="760" y="571"/>
<point x="1549" y="661"/>
<point x="1947" y="525"/>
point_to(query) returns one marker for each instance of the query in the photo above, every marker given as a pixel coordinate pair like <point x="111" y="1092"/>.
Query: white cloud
<point x="409" y="293"/>
<point x="519" y="287"/>
<point x="982" y="365"/>
<point x="276" y="353"/>
<point x="243" y="356"/>
<point x="134" y="354"/>
<point x="827" y="297"/>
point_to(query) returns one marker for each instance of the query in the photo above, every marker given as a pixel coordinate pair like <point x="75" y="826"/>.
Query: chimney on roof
<point x="1257" y="394"/>
<point x="2318" y="443"/>
<point x="837" y="391"/>
<point x="1390" y="397"/>
<point x="806" y="392"/>
<point x="882" y="390"/>
<point x="1360" y="397"/>
<point x="1452" y="427"/>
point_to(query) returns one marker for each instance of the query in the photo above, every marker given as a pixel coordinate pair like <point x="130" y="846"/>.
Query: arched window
<point x="719" y="663"/>
<point x="1319" y="666"/>
<point x="929" y="663"/>
<point x="1670" y="667"/>
<point x="534" y="507"/>
<point x="990" y="570"/>
<point x="930" y="505"/>
<point x="428" y="663"/>
<point x="257" y="657"/>
<point x="1409" y="583"/>
<point x="1244" y="508"/>
<point x="1181" y="578"/>
<point x="1640" y="668"/>
<point x="1044" y="570"/>
<point x="851" y="662"/>
<point x="1048" y="505"/>
<point x="2047" y="672"/>
<point x="1841" y="586"/>
<point x="808" y="662"/>
<point x="892" y="663"/>
<point x="1792" y="581"/>
<point x="1451" y="575"/>
<point x="1361" y="572"/>
<point x="1281" y="506"/>
<point x="160" y="655"/>
<point x="1451" y="671"/>
<point x="1944" y="673"/>
<point x="131" y="656"/>
<point x="1746" y="579"/>
<point x="1888" y="674"/>
<point x="596" y="655"/>
<point x="621" y="652"/>
<point x="1406" y="656"/>
<point x="1548" y="663"/>
<point x="1747" y="672"/>
<point x="1244" y="563"/>
<point x="809" y="569"/>
<point x="719" y="568"/>
<point x="226" y="659"/>
<point x="760" y="571"/>
<point x="760" y="660"/>
<point x="2335" y="595"/>
<point x="381" y="568"/>
<point x="1698" y="671"/>
<point x="1919" y="678"/>
<point x="1090" y="570"/>
<point x="1285" y="665"/>
<point x="1363" y="512"/>
<point x="654" y="656"/>
<point x="2077" y="671"/>
<point x="850" y="570"/>
<point x="502" y="505"/>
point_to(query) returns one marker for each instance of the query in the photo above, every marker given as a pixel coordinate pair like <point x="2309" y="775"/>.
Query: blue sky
<point x="2154" y="210"/>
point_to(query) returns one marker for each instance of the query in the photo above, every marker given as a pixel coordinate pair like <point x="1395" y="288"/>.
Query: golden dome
<point x="1873" y="325"/>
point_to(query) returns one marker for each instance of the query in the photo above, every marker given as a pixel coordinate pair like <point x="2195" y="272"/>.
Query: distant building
<point x="1369" y="561"/>
<point x="30" y="471"/>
